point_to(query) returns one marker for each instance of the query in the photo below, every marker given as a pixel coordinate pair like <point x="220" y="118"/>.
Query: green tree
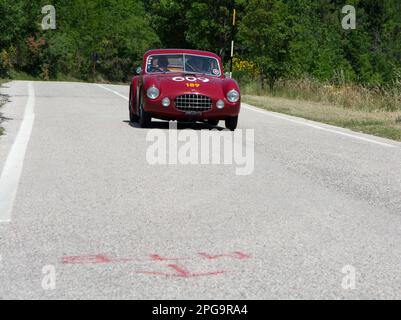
<point x="198" y="24"/>
<point x="265" y="34"/>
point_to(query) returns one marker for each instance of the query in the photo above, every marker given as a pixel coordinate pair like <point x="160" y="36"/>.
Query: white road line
<point x="11" y="173"/>
<point x="115" y="92"/>
<point x="275" y="115"/>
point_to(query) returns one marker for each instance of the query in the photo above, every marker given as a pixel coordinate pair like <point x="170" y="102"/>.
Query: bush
<point x="5" y="64"/>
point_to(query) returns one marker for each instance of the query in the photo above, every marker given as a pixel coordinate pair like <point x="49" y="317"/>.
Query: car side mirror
<point x="138" y="70"/>
<point x="227" y="75"/>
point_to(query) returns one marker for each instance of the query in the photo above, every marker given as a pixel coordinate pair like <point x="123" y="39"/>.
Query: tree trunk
<point x="272" y="82"/>
<point x="262" y="83"/>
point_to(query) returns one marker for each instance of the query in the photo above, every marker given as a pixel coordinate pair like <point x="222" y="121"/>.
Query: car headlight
<point x="153" y="93"/>
<point x="220" y="104"/>
<point x="165" y="102"/>
<point x="233" y="96"/>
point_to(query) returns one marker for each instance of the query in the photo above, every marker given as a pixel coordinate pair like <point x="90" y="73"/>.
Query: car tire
<point x="132" y="116"/>
<point x="145" y="119"/>
<point x="231" y="123"/>
<point x="213" y="122"/>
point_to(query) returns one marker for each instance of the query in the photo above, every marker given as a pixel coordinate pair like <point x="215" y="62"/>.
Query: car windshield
<point x="170" y="63"/>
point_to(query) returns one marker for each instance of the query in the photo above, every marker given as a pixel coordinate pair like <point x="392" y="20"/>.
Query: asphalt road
<point x="90" y="209"/>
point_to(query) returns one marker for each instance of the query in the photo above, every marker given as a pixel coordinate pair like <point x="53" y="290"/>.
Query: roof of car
<point x="175" y="51"/>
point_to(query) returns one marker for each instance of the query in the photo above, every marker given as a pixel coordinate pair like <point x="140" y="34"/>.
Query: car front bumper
<point x="157" y="110"/>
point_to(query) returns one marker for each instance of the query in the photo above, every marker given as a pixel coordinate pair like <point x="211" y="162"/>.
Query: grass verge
<point x="342" y="94"/>
<point x="18" y="75"/>
<point x="386" y="124"/>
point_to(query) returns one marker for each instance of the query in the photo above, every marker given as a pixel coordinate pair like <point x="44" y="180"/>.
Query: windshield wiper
<point x="197" y="73"/>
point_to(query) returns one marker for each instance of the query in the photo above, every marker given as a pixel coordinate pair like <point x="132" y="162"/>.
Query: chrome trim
<point x="193" y="102"/>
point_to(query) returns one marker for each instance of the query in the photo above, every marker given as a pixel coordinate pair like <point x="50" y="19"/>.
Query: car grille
<point x="193" y="102"/>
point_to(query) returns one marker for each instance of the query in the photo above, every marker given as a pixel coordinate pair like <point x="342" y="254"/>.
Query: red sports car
<point x="183" y="85"/>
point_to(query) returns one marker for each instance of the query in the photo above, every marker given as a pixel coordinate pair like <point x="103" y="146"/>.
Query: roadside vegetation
<point x="297" y="50"/>
<point x="384" y="124"/>
<point x="374" y="110"/>
<point x="2" y="102"/>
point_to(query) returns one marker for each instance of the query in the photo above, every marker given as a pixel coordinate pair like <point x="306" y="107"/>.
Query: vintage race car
<point x="183" y="85"/>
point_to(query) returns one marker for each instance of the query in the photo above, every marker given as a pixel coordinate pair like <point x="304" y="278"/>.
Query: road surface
<point x="85" y="215"/>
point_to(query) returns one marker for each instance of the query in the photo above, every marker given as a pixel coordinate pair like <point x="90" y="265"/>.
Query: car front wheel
<point x="145" y="118"/>
<point x="231" y="123"/>
<point x="132" y="116"/>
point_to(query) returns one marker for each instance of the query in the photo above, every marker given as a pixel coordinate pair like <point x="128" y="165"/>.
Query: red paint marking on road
<point x="156" y="257"/>
<point x="103" y="259"/>
<point x="126" y="260"/>
<point x="95" y="259"/>
<point x="235" y="255"/>
<point x="242" y="256"/>
<point x="180" y="272"/>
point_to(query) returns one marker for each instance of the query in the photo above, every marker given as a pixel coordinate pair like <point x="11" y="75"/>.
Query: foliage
<point x="93" y="38"/>
<point x="281" y="39"/>
<point x="266" y="32"/>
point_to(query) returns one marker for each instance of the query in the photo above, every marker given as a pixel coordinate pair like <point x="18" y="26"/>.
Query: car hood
<point x="177" y="84"/>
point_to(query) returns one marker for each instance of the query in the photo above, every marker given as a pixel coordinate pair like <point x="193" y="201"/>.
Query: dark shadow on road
<point x="4" y="98"/>
<point x="164" y="125"/>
